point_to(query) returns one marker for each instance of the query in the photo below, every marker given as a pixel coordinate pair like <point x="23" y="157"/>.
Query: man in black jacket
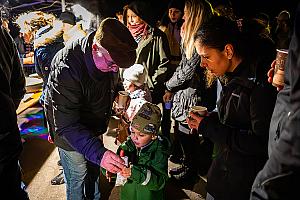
<point x="12" y="89"/>
<point x="280" y="177"/>
<point x="80" y="94"/>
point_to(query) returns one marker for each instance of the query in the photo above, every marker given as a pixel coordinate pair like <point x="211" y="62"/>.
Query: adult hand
<point x="271" y="74"/>
<point x="112" y="162"/>
<point x="167" y="96"/>
<point x="194" y="120"/>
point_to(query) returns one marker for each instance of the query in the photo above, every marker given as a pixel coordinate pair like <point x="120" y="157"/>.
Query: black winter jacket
<point x="12" y="90"/>
<point x="241" y="129"/>
<point x="80" y="97"/>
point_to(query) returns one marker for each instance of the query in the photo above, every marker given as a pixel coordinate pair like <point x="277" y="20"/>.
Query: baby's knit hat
<point x="148" y="119"/>
<point x="135" y="74"/>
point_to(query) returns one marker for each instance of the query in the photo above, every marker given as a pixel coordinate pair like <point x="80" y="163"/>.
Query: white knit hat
<point x="135" y="74"/>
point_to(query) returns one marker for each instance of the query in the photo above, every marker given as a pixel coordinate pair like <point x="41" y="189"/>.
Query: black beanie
<point x="145" y="10"/>
<point x="68" y="17"/>
<point x="179" y="4"/>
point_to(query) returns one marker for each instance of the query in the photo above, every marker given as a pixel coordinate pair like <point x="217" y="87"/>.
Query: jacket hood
<point x="48" y="35"/>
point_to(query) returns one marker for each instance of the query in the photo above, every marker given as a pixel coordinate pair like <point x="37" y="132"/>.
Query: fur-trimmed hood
<point x="48" y="35"/>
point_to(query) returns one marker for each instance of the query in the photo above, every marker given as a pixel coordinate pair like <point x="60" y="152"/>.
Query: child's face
<point x="140" y="139"/>
<point x="174" y="14"/>
<point x="128" y="86"/>
<point x="133" y="19"/>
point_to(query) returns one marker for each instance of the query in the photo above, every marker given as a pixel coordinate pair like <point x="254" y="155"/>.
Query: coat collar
<point x="93" y="71"/>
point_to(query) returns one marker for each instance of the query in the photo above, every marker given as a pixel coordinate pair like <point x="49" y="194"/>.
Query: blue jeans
<point x="81" y="176"/>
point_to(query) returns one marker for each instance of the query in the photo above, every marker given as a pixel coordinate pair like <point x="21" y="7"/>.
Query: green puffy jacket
<point x="149" y="172"/>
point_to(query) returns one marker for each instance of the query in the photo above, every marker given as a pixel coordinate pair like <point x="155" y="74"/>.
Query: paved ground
<point x="39" y="163"/>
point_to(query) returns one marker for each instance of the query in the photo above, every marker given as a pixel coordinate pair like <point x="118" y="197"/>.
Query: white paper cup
<point x="278" y="78"/>
<point x="199" y="110"/>
<point x="123" y="97"/>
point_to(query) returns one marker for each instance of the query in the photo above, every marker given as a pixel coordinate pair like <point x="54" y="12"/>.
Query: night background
<point x="241" y="7"/>
<point x="105" y="8"/>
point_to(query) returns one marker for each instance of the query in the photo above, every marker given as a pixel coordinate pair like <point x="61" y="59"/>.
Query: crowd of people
<point x="196" y="54"/>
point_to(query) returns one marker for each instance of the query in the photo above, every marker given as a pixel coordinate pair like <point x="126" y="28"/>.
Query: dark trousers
<point x="197" y="151"/>
<point x="166" y="121"/>
<point x="10" y="181"/>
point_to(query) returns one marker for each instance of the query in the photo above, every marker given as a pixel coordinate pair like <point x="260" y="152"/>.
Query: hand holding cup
<point x="196" y="115"/>
<point x="276" y="73"/>
<point x="270" y="75"/>
<point x="123" y="98"/>
<point x="199" y="110"/>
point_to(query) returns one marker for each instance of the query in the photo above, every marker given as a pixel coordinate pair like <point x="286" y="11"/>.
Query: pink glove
<point x="112" y="162"/>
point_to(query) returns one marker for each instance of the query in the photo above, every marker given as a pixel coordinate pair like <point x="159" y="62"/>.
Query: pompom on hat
<point x="118" y="41"/>
<point x="148" y="119"/>
<point x="135" y="74"/>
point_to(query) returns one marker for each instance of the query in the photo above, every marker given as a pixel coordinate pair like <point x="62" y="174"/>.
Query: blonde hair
<point x="210" y="78"/>
<point x="196" y="12"/>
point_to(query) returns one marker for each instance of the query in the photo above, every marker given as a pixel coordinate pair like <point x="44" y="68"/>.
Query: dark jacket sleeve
<point x="293" y="123"/>
<point x="11" y="91"/>
<point x="66" y="94"/>
<point x="37" y="64"/>
<point x="17" y="80"/>
<point x="184" y="73"/>
<point x="248" y="142"/>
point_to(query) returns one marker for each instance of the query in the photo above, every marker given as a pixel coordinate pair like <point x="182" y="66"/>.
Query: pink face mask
<point x="102" y="59"/>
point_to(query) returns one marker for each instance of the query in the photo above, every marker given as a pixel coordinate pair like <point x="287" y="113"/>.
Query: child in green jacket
<point x="147" y="154"/>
